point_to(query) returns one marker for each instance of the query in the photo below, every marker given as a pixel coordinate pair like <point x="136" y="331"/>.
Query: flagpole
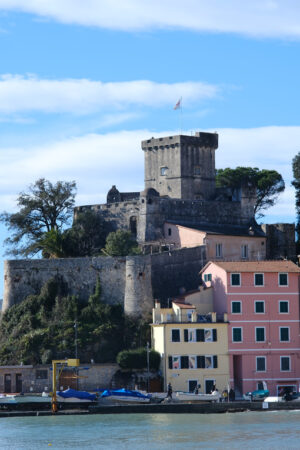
<point x="179" y="106"/>
<point x="180" y="115"/>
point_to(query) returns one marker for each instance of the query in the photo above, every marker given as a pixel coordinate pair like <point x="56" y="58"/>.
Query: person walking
<point x="169" y="391"/>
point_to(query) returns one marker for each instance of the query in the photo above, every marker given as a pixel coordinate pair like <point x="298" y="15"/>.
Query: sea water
<point x="265" y="430"/>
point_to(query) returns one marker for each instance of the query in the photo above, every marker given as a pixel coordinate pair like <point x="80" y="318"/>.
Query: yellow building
<point x="193" y="346"/>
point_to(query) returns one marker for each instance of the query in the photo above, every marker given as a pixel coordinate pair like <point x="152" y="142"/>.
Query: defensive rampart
<point x="133" y="281"/>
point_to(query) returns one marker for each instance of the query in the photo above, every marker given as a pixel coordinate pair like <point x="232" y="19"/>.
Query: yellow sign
<point x="73" y="362"/>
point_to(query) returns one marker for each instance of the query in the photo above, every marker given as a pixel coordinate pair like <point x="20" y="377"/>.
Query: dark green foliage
<point x="137" y="359"/>
<point x="269" y="184"/>
<point x="41" y="328"/>
<point x="87" y="235"/>
<point x="52" y="244"/>
<point x="45" y="208"/>
<point x="121" y="243"/>
<point x="296" y="184"/>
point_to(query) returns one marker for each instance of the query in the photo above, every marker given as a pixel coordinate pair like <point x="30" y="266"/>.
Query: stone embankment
<point x="169" y="408"/>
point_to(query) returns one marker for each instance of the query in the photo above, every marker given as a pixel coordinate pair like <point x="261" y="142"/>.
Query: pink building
<point x="226" y="242"/>
<point x="262" y="302"/>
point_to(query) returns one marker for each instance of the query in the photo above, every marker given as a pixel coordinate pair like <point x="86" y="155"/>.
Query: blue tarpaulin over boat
<point x="123" y="393"/>
<point x="72" y="393"/>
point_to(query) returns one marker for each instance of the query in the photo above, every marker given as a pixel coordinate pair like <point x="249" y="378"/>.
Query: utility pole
<point x="76" y="347"/>
<point x="148" y="367"/>
<point x="76" y="352"/>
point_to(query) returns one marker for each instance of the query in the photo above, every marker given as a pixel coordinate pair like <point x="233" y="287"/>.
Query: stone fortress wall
<point x="150" y="212"/>
<point x="133" y="280"/>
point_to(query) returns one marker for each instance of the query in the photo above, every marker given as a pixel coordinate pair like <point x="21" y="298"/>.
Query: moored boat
<point x="124" y="396"/>
<point x="73" y="396"/>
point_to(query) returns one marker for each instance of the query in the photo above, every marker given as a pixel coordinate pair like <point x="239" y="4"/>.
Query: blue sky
<point x="82" y="83"/>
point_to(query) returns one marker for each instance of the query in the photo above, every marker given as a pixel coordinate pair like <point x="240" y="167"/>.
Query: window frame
<point x="41" y="371"/>
<point x="289" y="339"/>
<point x="287" y="279"/>
<point x="219" y="250"/>
<point x="286" y="357"/>
<point x="240" y="303"/>
<point x="197" y="170"/>
<point x="260" y="328"/>
<point x="175" y="329"/>
<point x="207" y="277"/>
<point x="212" y="362"/>
<point x="244" y="255"/>
<point x="163" y="169"/>
<point x="195" y="359"/>
<point x="263" y="279"/>
<point x="188" y="362"/>
<point x="240" y="277"/>
<point x="192" y="333"/>
<point x="179" y="362"/>
<point x="288" y="304"/>
<point x="259" y="301"/>
<point x="265" y="359"/>
<point x="232" y="333"/>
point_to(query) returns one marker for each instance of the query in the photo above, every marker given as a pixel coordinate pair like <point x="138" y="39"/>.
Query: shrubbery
<point x="41" y="328"/>
<point x="137" y="359"/>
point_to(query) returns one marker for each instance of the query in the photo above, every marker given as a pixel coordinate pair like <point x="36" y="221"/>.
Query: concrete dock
<point x="166" y="408"/>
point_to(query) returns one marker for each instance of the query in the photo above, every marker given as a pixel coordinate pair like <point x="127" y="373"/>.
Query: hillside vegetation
<point x="41" y="328"/>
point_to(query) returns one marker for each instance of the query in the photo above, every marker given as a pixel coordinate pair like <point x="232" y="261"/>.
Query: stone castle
<point x="179" y="188"/>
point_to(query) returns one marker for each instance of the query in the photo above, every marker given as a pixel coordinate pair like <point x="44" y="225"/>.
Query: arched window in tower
<point x="164" y="171"/>
<point x="133" y="225"/>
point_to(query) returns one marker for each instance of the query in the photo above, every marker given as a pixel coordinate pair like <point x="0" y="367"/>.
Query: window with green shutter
<point x="186" y="335"/>
<point x="214" y="335"/>
<point x="200" y="335"/>
<point x="215" y="358"/>
<point x="184" y="362"/>
<point x="200" y="362"/>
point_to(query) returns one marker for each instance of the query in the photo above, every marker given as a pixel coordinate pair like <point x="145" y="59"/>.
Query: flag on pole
<point x="178" y="104"/>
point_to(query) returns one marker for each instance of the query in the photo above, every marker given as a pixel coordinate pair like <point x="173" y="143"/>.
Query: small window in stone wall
<point x="41" y="374"/>
<point x="197" y="170"/>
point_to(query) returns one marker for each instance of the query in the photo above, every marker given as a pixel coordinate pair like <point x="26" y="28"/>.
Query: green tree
<point x="44" y="208"/>
<point x="296" y="184"/>
<point x="269" y="184"/>
<point x="51" y="244"/>
<point x="87" y="235"/>
<point x="121" y="243"/>
<point x="137" y="359"/>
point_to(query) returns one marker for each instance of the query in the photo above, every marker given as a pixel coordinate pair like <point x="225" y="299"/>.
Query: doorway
<point x="18" y="382"/>
<point x="192" y="385"/>
<point x="209" y="385"/>
<point x="7" y="383"/>
<point x="133" y="225"/>
<point x="238" y="373"/>
<point x="68" y="379"/>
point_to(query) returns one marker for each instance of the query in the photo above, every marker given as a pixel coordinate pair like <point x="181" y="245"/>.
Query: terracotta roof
<point x="251" y="230"/>
<point x="184" y="305"/>
<point x="256" y="266"/>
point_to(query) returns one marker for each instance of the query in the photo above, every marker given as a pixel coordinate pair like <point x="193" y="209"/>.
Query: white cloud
<point x="254" y="17"/>
<point x="97" y="161"/>
<point x="81" y="96"/>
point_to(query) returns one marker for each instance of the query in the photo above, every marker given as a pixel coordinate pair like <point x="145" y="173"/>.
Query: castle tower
<point x="180" y="166"/>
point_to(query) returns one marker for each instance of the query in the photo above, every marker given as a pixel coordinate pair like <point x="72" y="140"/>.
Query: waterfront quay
<point x="166" y="408"/>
